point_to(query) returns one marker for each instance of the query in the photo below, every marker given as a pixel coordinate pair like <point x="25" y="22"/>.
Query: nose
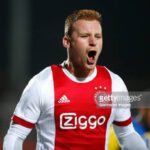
<point x="92" y="41"/>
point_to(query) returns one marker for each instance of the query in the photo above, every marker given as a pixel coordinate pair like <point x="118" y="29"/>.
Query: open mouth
<point x="91" y="56"/>
<point x="92" y="53"/>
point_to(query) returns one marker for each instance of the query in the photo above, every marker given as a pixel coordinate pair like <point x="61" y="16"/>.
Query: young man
<point x="62" y="101"/>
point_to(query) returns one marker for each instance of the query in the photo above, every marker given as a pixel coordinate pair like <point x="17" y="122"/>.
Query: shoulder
<point x="37" y="82"/>
<point x="32" y="99"/>
<point x="117" y="82"/>
<point x="37" y="91"/>
<point x="44" y="74"/>
<point x="44" y="81"/>
<point x="114" y="76"/>
<point x="41" y="77"/>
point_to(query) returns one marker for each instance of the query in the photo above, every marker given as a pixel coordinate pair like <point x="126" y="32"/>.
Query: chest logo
<point x="64" y="99"/>
<point x="103" y="99"/>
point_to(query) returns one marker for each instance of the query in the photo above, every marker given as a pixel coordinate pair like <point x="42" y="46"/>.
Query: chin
<point x="91" y="66"/>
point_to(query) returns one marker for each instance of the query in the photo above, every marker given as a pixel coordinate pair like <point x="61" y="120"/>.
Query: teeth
<point x="91" y="53"/>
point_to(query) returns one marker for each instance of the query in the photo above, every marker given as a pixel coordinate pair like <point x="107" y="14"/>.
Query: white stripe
<point x="46" y="125"/>
<point x="111" y="118"/>
<point x="52" y="103"/>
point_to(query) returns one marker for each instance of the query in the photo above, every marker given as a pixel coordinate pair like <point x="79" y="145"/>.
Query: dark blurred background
<point x="31" y="38"/>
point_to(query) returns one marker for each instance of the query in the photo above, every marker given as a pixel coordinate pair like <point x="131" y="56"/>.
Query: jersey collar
<point x="75" y="79"/>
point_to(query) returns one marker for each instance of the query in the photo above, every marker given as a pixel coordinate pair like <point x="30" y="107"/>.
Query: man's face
<point x="85" y="44"/>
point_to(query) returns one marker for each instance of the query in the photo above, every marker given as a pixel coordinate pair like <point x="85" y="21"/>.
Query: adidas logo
<point x="64" y="99"/>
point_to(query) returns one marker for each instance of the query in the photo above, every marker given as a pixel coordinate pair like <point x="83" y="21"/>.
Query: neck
<point x="78" y="71"/>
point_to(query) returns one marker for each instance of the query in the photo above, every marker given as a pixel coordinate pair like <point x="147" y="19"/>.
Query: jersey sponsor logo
<point x="64" y="99"/>
<point x="72" y="121"/>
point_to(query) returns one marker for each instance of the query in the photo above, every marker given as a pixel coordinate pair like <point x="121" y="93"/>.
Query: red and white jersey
<point x="65" y="112"/>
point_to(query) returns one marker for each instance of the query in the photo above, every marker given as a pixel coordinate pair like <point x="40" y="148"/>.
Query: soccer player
<point x="63" y="101"/>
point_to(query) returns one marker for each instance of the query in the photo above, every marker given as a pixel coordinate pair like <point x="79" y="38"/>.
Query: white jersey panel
<point x="37" y="106"/>
<point x="28" y="107"/>
<point x="46" y="122"/>
<point x="118" y="85"/>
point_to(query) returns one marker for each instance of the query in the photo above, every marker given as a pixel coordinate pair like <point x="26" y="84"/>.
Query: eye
<point x="98" y="36"/>
<point x="84" y="36"/>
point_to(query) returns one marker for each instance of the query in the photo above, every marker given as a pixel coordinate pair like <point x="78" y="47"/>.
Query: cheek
<point x="76" y="51"/>
<point x="81" y="44"/>
<point x="79" y="47"/>
<point x="101" y="43"/>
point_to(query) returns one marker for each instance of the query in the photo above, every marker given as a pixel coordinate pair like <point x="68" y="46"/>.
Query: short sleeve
<point x="122" y="114"/>
<point x="27" y="110"/>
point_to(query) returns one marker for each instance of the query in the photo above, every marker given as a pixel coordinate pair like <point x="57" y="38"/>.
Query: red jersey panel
<point x="80" y="123"/>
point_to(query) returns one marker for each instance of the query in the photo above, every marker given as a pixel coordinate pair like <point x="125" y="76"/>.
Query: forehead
<point x="87" y="26"/>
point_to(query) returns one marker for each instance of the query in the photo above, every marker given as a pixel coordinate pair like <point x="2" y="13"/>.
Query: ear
<point x="66" y="42"/>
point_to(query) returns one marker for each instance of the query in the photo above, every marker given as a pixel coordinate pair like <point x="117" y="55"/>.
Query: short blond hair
<point x="85" y="14"/>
